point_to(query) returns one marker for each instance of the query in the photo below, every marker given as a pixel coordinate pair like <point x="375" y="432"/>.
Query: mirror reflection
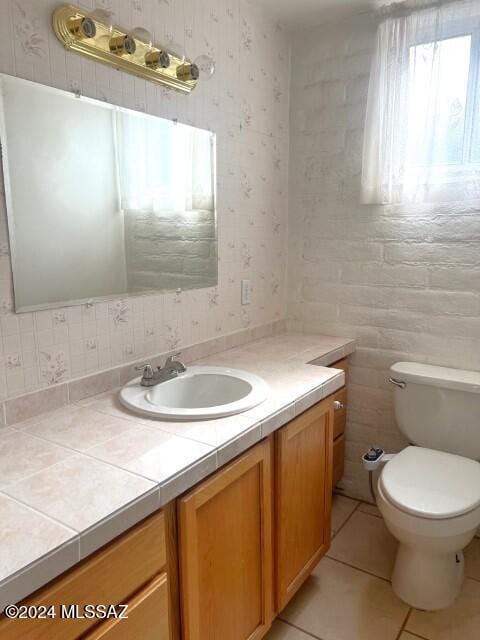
<point x="103" y="201"/>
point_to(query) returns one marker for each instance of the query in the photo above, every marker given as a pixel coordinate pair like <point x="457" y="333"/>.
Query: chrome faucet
<point x="170" y="369"/>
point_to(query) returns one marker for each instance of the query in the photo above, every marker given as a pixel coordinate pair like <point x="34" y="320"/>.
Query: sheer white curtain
<point x="422" y="134"/>
<point x="163" y="166"/>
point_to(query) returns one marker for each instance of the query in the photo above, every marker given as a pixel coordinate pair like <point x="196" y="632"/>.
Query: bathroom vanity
<point x="227" y="554"/>
<point x="197" y="521"/>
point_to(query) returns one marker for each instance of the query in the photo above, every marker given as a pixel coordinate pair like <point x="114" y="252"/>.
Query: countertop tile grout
<point x="250" y="433"/>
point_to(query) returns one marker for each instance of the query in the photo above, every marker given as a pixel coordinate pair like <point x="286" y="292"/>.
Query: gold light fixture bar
<point x="83" y="34"/>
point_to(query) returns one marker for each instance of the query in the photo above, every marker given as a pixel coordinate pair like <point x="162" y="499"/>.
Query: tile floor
<point x="349" y="596"/>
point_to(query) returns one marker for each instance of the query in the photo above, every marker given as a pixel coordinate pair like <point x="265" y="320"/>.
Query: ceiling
<point x="296" y="14"/>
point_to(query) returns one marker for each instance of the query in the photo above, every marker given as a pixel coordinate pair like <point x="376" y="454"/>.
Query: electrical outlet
<point x="246" y="291"/>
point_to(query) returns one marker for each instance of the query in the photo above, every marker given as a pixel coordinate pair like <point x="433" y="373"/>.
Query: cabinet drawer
<point x="147" y="616"/>
<point x="338" y="459"/>
<point x="110" y="576"/>
<point x="339" y="412"/>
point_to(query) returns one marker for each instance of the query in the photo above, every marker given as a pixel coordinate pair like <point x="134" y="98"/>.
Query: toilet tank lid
<point x="436" y="376"/>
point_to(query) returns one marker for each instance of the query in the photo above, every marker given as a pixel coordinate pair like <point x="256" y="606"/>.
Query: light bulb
<point x="139" y="33"/>
<point x="206" y="67"/>
<point x="103" y="16"/>
<point x="176" y="50"/>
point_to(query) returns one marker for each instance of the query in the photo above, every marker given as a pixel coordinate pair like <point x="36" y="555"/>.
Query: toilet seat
<point x="431" y="484"/>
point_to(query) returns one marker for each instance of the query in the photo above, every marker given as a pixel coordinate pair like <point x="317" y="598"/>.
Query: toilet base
<point x="428" y="581"/>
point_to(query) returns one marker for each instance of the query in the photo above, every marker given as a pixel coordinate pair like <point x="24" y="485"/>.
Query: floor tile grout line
<point x="412" y="633"/>
<point x="355" y="509"/>
<point x="369" y="573"/>
<point x="403" y="629"/>
<point x="294" y="626"/>
<point x="345" y="522"/>
<point x="404" y="623"/>
<point x="373" y="515"/>
<point x="369" y="513"/>
<point x="351" y="566"/>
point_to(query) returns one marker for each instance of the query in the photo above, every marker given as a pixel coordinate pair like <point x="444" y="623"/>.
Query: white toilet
<point x="429" y="494"/>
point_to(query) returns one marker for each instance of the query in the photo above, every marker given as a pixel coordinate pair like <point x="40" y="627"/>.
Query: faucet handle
<point x="172" y="362"/>
<point x="147" y="371"/>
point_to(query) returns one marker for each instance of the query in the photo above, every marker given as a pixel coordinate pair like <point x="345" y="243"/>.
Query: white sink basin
<point x="201" y="393"/>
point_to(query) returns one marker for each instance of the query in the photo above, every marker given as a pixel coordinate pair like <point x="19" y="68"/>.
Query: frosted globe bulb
<point x="139" y="33"/>
<point x="206" y="67"/>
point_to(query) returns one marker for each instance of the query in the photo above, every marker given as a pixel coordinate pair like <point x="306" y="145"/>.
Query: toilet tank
<point x="437" y="407"/>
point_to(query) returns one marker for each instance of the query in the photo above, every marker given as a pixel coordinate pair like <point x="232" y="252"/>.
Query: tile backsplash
<point x="246" y="104"/>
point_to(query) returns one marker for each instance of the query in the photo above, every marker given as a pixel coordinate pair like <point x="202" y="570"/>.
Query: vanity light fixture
<point x="82" y="27"/>
<point x="93" y="34"/>
<point x="122" y="45"/>
<point x="188" y="71"/>
<point x="157" y="58"/>
<point x="154" y="58"/>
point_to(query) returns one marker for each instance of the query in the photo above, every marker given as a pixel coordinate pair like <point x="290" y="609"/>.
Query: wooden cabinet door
<point x="303" y="487"/>
<point x="226" y="551"/>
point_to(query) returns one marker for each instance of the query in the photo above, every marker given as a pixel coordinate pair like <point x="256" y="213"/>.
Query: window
<point x="422" y="139"/>
<point x="445" y="99"/>
<point x="163" y="167"/>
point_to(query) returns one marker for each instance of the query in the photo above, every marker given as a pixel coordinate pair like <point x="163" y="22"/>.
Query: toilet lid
<point x="432" y="484"/>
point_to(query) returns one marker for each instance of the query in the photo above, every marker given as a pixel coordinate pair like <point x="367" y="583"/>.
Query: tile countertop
<point x="73" y="479"/>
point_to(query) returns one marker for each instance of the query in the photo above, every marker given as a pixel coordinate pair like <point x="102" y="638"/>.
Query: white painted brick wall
<point x="403" y="280"/>
<point x="166" y="252"/>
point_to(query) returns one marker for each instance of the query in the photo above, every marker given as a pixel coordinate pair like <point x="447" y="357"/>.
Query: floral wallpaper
<point x="246" y="104"/>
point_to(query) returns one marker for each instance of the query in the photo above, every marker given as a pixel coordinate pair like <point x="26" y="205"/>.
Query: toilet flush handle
<point x="398" y="383"/>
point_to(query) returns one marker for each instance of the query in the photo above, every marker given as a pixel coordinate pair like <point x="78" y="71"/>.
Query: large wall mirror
<point x="103" y="201"/>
